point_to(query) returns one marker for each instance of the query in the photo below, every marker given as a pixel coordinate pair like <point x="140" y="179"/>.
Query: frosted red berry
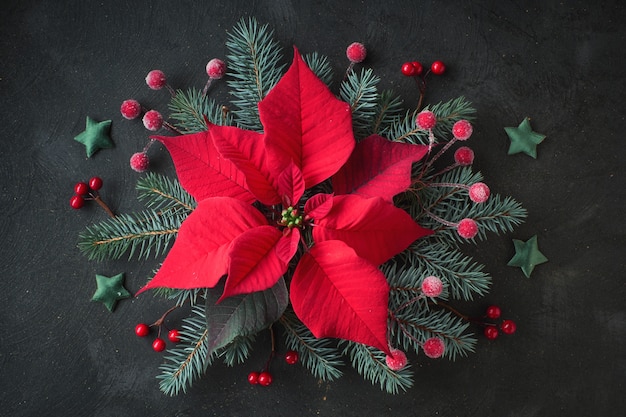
<point x="77" y="202"/>
<point x="434" y="347"/>
<point x="356" y="52"/>
<point x="426" y="119"/>
<point x="493" y="312"/>
<point x="467" y="228"/>
<point x="479" y="192"/>
<point x="95" y="183"/>
<point x="142" y="330"/>
<point x="152" y="120"/>
<point x="464" y="156"/>
<point x="139" y="162"/>
<point x="408" y="69"/>
<point x="291" y="357"/>
<point x="173" y="336"/>
<point x="158" y="345"/>
<point x="397" y="360"/>
<point x="508" y="326"/>
<point x="130" y="109"/>
<point x="438" y="67"/>
<point x="216" y="68"/>
<point x="491" y="332"/>
<point x="156" y="79"/>
<point x="462" y="130"/>
<point x="265" y="379"/>
<point x="418" y="67"/>
<point x="432" y="286"/>
<point x="81" y="188"/>
<point x="253" y="378"/>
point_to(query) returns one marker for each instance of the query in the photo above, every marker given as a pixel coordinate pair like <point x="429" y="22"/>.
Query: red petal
<point x="199" y="257"/>
<point x="374" y="228"/>
<point x="339" y="294"/>
<point x="291" y="185"/>
<point x="378" y="168"/>
<point x="318" y="206"/>
<point x="258" y="258"/>
<point x="306" y="124"/>
<point x="202" y="171"/>
<point x="246" y="150"/>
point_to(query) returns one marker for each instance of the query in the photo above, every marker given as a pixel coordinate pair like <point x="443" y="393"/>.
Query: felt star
<point x="524" y="139"/>
<point x="527" y="255"/>
<point x="110" y="290"/>
<point x="95" y="136"/>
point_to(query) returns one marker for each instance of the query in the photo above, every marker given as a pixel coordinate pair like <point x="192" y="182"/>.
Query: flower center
<point x="291" y="218"/>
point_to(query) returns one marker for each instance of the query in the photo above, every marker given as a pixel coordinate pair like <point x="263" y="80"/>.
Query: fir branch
<point x="190" y="358"/>
<point x="254" y="69"/>
<point x="146" y="232"/>
<point x="359" y="90"/>
<point x="237" y="351"/>
<point x="190" y="109"/>
<point x="319" y="356"/>
<point x="161" y="193"/>
<point x="411" y="330"/>
<point x="387" y="112"/>
<point x="320" y="65"/>
<point x="181" y="296"/>
<point x="405" y="287"/>
<point x="370" y="364"/>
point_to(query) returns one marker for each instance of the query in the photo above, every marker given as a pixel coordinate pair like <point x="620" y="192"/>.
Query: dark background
<point x="562" y="63"/>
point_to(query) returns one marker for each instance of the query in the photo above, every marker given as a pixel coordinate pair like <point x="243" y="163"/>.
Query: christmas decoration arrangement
<point x="332" y="219"/>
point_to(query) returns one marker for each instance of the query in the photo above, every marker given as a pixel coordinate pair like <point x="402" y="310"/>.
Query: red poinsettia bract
<point x="336" y="289"/>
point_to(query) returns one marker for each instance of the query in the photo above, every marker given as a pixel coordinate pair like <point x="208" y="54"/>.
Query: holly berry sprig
<point x="264" y="377"/>
<point x="89" y="192"/>
<point x="416" y="69"/>
<point x="490" y="328"/>
<point x="159" y="344"/>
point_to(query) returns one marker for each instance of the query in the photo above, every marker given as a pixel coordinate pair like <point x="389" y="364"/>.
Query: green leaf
<point x="243" y="315"/>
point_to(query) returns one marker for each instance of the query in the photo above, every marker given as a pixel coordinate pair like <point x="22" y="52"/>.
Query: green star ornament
<point x="523" y="139"/>
<point x="527" y="255"/>
<point x="110" y="290"/>
<point x="95" y="136"/>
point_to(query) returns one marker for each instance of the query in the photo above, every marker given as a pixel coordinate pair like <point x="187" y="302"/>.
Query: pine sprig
<point x="319" y="356"/>
<point x="359" y="90"/>
<point x="145" y="233"/>
<point x="190" y="358"/>
<point x="238" y="350"/>
<point x="181" y="297"/>
<point x="370" y="364"/>
<point x="159" y="192"/>
<point x="190" y="109"/>
<point x="320" y="65"/>
<point x="254" y="67"/>
<point x="388" y="110"/>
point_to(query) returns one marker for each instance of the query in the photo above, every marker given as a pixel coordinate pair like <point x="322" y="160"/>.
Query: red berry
<point x="438" y="67"/>
<point x="467" y="228"/>
<point x="479" y="192"/>
<point x="216" y="68"/>
<point x="434" y="348"/>
<point x="152" y="120"/>
<point x="253" y="378"/>
<point x="130" y="109"/>
<point x="139" y="162"/>
<point x="418" y="67"/>
<point x="464" y="156"/>
<point x="462" y="130"/>
<point x="142" y="330"/>
<point x="174" y="336"/>
<point x="95" y="183"/>
<point x="426" y="119"/>
<point x="508" y="327"/>
<point x="77" y="202"/>
<point x="432" y="286"/>
<point x="356" y="52"/>
<point x="158" y="345"/>
<point x="408" y="69"/>
<point x="265" y="378"/>
<point x="397" y="360"/>
<point x="81" y="188"/>
<point x="493" y="312"/>
<point x="291" y="357"/>
<point x="491" y="332"/>
<point x="156" y="79"/>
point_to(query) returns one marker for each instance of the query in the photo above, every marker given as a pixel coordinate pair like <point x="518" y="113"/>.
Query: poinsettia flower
<point x="337" y="289"/>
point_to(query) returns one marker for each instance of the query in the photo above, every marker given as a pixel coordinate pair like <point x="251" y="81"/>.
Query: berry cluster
<point x="265" y="378"/>
<point x="87" y="191"/>
<point x="416" y="69"/>
<point x="490" y="331"/>
<point x="158" y="344"/>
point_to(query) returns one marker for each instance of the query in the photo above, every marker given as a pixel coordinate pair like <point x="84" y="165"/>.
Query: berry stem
<point x="102" y="204"/>
<point x="160" y="321"/>
<point x="171" y="127"/>
<point x="273" y="352"/>
<point x="206" y="87"/>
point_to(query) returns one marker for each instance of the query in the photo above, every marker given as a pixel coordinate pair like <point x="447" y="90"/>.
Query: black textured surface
<point x="560" y="63"/>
